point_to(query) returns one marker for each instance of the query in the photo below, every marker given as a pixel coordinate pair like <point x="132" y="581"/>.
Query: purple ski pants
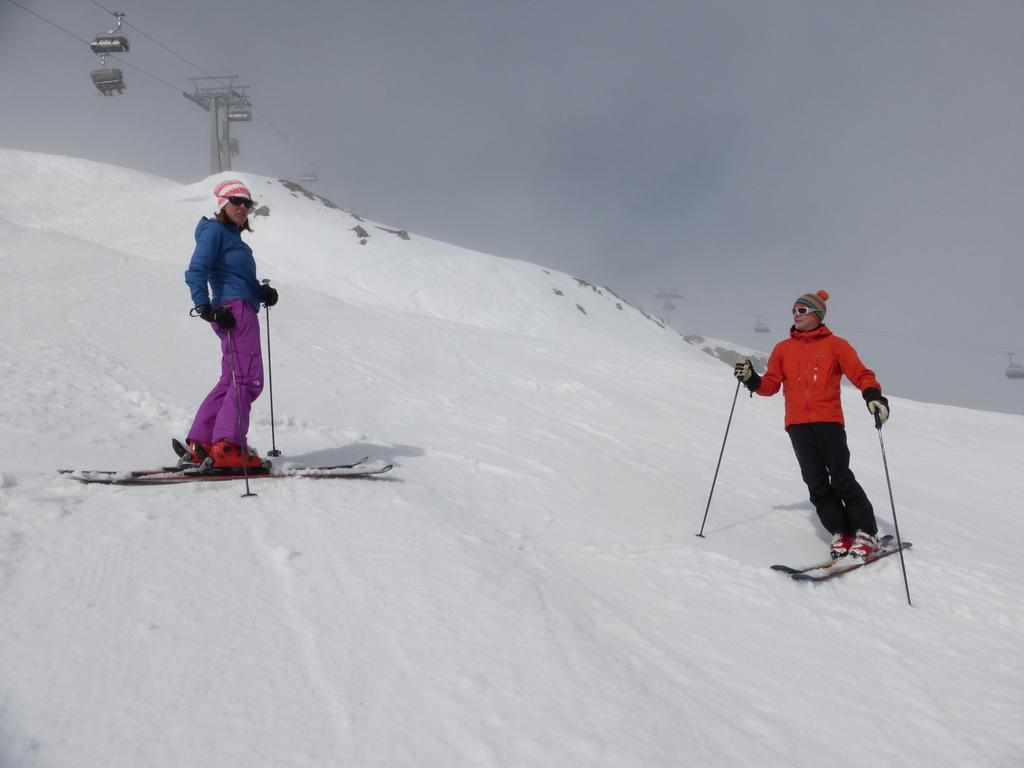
<point x="224" y="414"/>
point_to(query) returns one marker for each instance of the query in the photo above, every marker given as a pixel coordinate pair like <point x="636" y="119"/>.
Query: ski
<point x="199" y="469"/>
<point x="193" y="469"/>
<point x="843" y="568"/>
<point x="184" y="462"/>
<point x="816" y="567"/>
<point x="186" y="467"/>
<point x="197" y="474"/>
<point x="131" y="472"/>
<point x="882" y="541"/>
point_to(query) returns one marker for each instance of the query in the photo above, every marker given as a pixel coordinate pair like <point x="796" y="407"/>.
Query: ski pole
<point x="238" y="416"/>
<point x="270" y="386"/>
<point x="721" y="453"/>
<point x="896" y="525"/>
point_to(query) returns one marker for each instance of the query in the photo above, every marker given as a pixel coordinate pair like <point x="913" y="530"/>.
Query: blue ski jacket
<point x="222" y="267"/>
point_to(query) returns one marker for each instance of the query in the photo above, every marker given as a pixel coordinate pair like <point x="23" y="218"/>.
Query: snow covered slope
<point x="526" y="591"/>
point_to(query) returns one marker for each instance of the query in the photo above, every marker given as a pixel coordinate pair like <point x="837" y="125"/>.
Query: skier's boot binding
<point x="227" y="455"/>
<point x="841" y="543"/>
<point x="190" y="453"/>
<point x="864" y="544"/>
<point x="199" y="450"/>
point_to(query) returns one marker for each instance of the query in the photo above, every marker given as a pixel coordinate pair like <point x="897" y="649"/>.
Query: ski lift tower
<point x="667" y="304"/>
<point x="226" y="103"/>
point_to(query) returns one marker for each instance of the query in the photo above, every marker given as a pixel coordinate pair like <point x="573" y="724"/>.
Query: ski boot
<point x="227" y="455"/>
<point x="864" y="544"/>
<point x="841" y="543"/>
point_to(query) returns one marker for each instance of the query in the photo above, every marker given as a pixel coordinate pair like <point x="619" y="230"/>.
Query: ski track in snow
<point x="526" y="591"/>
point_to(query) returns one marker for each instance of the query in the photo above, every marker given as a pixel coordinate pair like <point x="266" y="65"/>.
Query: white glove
<point x="877" y="406"/>
<point x="743" y="370"/>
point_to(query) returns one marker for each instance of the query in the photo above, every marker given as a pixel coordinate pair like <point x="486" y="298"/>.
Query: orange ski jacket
<point x="809" y="367"/>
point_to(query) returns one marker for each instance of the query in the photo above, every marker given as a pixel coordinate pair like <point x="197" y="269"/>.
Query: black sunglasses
<point x="241" y="201"/>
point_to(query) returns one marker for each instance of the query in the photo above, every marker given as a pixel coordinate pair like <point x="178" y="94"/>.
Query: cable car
<point x="108" y="80"/>
<point x="1014" y="370"/>
<point x="307" y="177"/>
<point x="760" y="326"/>
<point x="239" y="115"/>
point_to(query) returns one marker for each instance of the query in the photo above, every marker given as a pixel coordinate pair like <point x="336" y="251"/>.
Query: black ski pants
<point x="824" y="459"/>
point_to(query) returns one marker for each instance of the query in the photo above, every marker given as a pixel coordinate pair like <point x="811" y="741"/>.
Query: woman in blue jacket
<point x="225" y="292"/>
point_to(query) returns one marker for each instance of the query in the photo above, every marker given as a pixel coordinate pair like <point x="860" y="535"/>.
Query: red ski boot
<point x="864" y="544"/>
<point x="227" y="455"/>
<point x="841" y="543"/>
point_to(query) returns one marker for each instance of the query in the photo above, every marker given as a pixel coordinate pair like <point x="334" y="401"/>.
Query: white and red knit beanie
<point x="816" y="301"/>
<point x="232" y="188"/>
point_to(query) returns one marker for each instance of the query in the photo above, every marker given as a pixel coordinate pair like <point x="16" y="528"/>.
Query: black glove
<point x="221" y="315"/>
<point x="268" y="295"/>
<point x="878" y="406"/>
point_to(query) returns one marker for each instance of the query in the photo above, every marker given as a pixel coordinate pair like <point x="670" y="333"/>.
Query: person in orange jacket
<point x="809" y="367"/>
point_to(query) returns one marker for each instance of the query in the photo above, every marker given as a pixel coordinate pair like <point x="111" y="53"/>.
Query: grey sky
<point x="741" y="152"/>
